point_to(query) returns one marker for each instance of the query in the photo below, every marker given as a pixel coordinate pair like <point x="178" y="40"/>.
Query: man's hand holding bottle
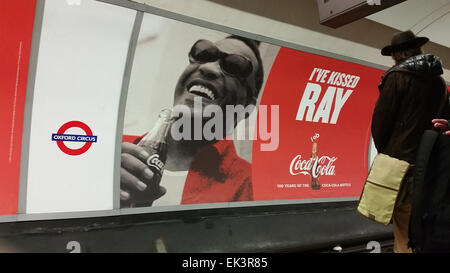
<point x="142" y="165"/>
<point x="139" y="186"/>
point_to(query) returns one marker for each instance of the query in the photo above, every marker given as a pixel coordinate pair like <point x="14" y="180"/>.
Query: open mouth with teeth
<point x="202" y="91"/>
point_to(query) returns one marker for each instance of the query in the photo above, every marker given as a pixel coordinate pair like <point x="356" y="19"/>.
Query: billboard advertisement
<point x="216" y="118"/>
<point x="209" y="118"/>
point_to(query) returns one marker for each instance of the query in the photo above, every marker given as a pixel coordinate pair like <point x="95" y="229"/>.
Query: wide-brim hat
<point x="403" y="41"/>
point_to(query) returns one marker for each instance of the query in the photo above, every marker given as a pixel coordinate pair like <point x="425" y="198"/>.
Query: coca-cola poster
<point x="302" y="131"/>
<point x="324" y="128"/>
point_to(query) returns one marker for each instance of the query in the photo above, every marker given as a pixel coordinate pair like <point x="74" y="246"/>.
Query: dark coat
<point x="411" y="95"/>
<point x="429" y="228"/>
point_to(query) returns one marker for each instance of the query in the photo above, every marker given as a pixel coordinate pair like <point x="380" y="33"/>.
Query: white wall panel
<point x="80" y="69"/>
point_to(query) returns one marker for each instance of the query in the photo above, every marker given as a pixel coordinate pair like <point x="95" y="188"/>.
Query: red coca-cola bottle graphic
<point x="314" y="171"/>
<point x="155" y="144"/>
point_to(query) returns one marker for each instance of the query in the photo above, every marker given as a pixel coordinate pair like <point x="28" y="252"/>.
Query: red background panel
<point x="16" y="27"/>
<point x="347" y="140"/>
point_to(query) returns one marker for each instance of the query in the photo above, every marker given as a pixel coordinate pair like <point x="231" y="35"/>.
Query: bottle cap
<point x="166" y="113"/>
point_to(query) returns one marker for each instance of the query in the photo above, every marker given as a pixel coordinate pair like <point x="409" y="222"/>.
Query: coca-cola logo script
<point x="154" y="161"/>
<point x="323" y="165"/>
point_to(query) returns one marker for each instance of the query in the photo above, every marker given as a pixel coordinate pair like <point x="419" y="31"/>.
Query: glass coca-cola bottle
<point x="155" y="144"/>
<point x="314" y="172"/>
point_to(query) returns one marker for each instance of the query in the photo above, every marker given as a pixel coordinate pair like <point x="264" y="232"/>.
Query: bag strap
<point x="417" y="210"/>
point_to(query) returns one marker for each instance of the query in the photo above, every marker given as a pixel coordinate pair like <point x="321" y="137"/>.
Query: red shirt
<point x="218" y="174"/>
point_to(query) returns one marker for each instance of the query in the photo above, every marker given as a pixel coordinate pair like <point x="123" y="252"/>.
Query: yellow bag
<point x="381" y="188"/>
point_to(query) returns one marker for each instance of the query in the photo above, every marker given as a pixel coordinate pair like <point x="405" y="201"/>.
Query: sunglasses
<point x="204" y="51"/>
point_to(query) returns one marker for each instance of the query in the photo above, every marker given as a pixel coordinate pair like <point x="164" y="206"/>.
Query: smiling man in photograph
<point x="226" y="73"/>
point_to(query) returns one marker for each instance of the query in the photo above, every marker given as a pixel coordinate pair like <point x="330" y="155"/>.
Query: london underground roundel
<point x="60" y="137"/>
